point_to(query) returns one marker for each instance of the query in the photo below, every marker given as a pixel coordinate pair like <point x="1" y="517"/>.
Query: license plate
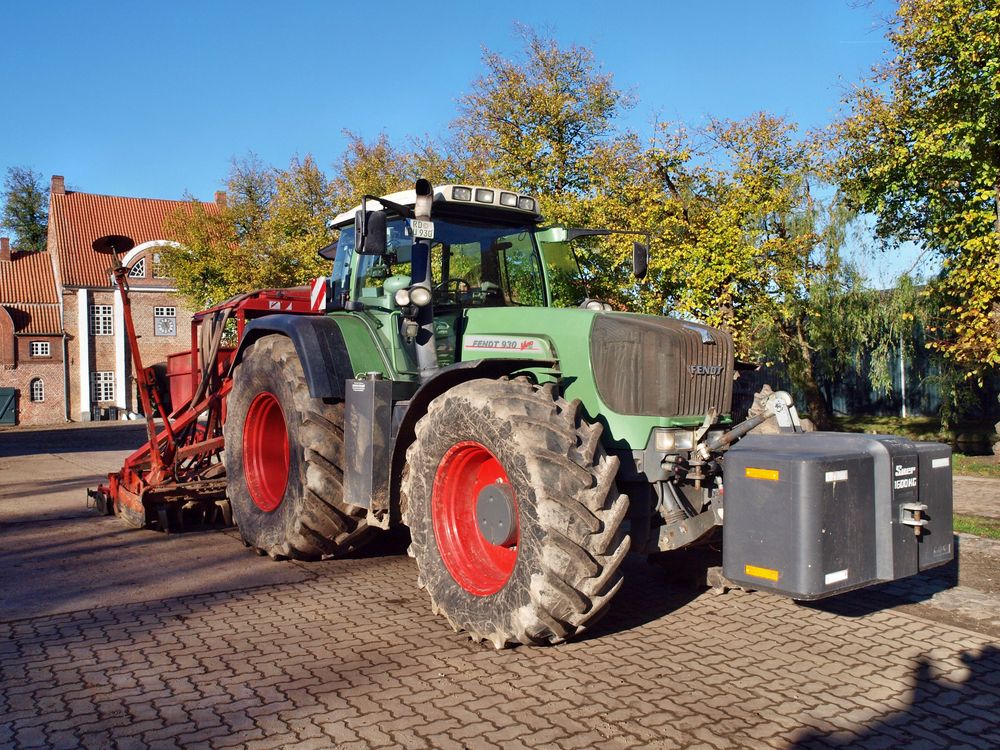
<point x="423" y="230"/>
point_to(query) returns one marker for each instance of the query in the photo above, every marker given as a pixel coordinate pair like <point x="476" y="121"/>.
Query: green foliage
<point x="921" y="151"/>
<point x="532" y="123"/>
<point x="266" y="236"/>
<point x="974" y="434"/>
<point x="374" y="168"/>
<point x="746" y="228"/>
<point x="379" y="168"/>
<point x="26" y="209"/>
<point x="275" y="221"/>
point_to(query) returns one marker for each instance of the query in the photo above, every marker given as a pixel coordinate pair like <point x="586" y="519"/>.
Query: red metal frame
<point x="181" y="463"/>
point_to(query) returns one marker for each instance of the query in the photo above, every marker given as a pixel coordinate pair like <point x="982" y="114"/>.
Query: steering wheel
<point x="442" y="290"/>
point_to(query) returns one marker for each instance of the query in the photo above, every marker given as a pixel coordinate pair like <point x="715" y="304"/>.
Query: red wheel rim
<point x="265" y="452"/>
<point x="477" y="565"/>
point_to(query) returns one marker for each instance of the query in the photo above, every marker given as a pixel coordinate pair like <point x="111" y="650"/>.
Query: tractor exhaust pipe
<point x="426" y="343"/>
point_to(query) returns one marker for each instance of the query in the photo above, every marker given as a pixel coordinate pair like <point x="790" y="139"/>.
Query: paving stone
<point x="348" y="655"/>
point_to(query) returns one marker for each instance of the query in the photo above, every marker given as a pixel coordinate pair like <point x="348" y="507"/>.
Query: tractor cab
<point x="482" y="253"/>
<point x="484" y="248"/>
<point x="472" y="265"/>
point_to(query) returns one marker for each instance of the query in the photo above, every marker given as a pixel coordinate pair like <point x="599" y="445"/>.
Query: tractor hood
<point x="639" y="371"/>
<point x="649" y="366"/>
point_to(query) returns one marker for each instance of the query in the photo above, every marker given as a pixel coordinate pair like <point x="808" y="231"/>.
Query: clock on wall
<point x="166" y="327"/>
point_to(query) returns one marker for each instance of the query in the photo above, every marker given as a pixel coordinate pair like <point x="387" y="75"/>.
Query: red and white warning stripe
<point x="317" y="297"/>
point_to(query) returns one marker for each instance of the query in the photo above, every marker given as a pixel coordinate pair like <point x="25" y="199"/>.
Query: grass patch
<point x="976" y="466"/>
<point x="987" y="527"/>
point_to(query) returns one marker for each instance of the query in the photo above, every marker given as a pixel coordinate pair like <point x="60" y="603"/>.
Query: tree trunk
<point x="996" y="200"/>
<point x="816" y="403"/>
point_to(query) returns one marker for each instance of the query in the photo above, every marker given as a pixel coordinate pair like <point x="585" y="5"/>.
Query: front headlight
<point x="420" y="296"/>
<point x="669" y="440"/>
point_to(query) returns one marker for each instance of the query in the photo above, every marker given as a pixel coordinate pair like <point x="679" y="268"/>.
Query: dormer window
<point x="138" y="271"/>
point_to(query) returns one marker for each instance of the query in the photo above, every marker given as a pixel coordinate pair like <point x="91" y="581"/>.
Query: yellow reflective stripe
<point x="766" y="573"/>
<point x="772" y="474"/>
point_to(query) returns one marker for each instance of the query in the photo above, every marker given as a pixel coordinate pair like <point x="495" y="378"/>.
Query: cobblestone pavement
<point x="353" y="658"/>
<point x="346" y="654"/>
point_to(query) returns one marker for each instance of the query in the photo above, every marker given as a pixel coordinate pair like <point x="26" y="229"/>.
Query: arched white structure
<point x="138" y="250"/>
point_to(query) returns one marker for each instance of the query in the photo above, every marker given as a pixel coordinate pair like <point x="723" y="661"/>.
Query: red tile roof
<point x="77" y="219"/>
<point x="35" y="319"/>
<point x="28" y="292"/>
<point x="28" y="277"/>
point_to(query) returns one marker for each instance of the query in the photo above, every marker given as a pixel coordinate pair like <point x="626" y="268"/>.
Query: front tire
<point x="284" y="453"/>
<point x="513" y="511"/>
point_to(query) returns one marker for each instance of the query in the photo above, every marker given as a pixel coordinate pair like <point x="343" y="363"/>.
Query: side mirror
<point x="640" y="260"/>
<point x="369" y="231"/>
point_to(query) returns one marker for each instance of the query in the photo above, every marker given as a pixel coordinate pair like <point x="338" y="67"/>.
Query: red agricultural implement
<point x="178" y="476"/>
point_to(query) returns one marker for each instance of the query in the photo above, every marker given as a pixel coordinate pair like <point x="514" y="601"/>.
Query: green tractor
<point x="461" y="382"/>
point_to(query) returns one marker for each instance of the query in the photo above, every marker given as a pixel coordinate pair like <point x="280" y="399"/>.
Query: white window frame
<point x="102" y="320"/>
<point x="41" y="349"/>
<point x="102" y="386"/>
<point x="138" y="269"/>
<point x="164" y="313"/>
<point x="158" y="267"/>
<point x="36" y="390"/>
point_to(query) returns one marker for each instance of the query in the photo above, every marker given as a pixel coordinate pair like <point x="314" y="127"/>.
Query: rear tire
<point x="554" y="574"/>
<point x="284" y="453"/>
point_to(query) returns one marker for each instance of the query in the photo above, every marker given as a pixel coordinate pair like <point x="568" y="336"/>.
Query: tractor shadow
<point x="193" y="521"/>
<point x="665" y="583"/>
<point x="390" y="543"/>
<point x="115" y="436"/>
<point x="653" y="588"/>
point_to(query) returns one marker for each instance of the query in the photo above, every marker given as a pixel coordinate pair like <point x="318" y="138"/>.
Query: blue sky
<point x="153" y="99"/>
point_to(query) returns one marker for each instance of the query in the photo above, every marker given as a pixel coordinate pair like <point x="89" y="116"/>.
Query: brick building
<point x="32" y="353"/>
<point x="100" y="381"/>
<point x="63" y="353"/>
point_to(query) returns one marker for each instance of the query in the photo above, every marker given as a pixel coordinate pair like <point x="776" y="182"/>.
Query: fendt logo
<point x="705" y="369"/>
<point x="505" y="344"/>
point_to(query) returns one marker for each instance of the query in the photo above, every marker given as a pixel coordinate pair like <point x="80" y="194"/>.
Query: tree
<point x="367" y="168"/>
<point x="26" y="208"/>
<point x="764" y="242"/>
<point x="920" y="150"/>
<point x="737" y="237"/>
<point x="267" y="235"/>
<point x="377" y="167"/>
<point x="534" y="123"/>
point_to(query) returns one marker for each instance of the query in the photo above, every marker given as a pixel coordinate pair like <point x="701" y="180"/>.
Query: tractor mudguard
<point x="444" y="379"/>
<point x="319" y="343"/>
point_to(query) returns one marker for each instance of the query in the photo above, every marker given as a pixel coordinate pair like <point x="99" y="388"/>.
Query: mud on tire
<point x="571" y="542"/>
<point x="311" y="519"/>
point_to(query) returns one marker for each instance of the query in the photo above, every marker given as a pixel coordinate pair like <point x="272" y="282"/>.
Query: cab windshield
<point x="472" y="265"/>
